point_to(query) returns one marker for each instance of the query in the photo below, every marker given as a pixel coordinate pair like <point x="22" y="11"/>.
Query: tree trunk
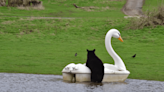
<point x="31" y="2"/>
<point x="133" y="7"/>
<point x="15" y="3"/>
<point x="2" y="2"/>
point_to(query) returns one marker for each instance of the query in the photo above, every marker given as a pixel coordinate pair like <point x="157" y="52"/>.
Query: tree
<point x="2" y="2"/>
<point x="133" y="7"/>
<point x="15" y="3"/>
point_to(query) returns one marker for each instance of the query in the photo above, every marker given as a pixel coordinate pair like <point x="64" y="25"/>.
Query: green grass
<point x="65" y="8"/>
<point x="46" y="46"/>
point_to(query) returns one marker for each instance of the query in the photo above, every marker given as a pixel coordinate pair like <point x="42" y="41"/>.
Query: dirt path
<point x="43" y="17"/>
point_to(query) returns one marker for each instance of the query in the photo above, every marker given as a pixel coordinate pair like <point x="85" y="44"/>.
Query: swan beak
<point x="120" y="39"/>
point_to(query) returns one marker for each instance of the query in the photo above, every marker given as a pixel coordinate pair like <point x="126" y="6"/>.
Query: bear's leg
<point x="97" y="77"/>
<point x="93" y="77"/>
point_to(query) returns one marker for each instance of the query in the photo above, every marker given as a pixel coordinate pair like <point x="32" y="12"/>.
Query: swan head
<point x="116" y="34"/>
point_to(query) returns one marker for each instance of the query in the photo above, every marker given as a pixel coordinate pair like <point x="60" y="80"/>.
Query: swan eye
<point x="119" y="34"/>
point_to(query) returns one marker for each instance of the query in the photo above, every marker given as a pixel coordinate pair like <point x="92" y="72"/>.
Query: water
<point x="11" y="82"/>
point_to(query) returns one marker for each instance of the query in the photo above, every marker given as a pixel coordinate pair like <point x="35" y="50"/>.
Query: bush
<point x="152" y="19"/>
<point x="15" y="3"/>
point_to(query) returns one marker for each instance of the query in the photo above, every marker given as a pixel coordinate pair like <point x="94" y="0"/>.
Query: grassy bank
<point x="45" y="46"/>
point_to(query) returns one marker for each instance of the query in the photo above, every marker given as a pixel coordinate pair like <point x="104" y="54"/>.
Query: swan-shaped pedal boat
<point x="112" y="73"/>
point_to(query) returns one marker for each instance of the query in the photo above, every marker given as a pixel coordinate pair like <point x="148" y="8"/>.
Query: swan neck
<point x="118" y="61"/>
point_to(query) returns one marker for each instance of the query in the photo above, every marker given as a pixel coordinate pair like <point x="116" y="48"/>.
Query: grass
<point x="45" y="46"/>
<point x="65" y="8"/>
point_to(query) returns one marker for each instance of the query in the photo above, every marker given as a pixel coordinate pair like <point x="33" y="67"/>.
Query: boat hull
<point x="85" y="77"/>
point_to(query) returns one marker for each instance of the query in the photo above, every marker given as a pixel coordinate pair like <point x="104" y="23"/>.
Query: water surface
<point x="11" y="82"/>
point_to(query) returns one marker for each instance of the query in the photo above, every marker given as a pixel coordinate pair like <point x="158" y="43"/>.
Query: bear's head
<point x="91" y="53"/>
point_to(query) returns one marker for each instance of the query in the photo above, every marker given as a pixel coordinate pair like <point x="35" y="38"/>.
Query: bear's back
<point x="93" y="62"/>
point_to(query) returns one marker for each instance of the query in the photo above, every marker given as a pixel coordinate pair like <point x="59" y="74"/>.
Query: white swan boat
<point x="112" y="73"/>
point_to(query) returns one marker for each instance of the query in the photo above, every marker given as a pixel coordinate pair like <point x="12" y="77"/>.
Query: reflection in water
<point x="105" y="87"/>
<point x="94" y="87"/>
<point x="10" y="82"/>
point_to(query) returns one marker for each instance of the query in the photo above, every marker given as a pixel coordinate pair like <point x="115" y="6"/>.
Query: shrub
<point x="151" y="19"/>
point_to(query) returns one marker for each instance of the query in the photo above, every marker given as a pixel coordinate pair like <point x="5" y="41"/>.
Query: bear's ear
<point x="87" y="50"/>
<point x="94" y="50"/>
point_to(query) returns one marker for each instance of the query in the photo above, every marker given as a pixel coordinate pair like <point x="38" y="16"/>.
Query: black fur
<point x="96" y="66"/>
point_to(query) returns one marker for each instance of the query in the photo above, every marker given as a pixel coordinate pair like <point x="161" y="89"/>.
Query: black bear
<point x="96" y="66"/>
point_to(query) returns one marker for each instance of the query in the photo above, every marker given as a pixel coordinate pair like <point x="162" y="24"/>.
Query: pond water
<point x="11" y="82"/>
